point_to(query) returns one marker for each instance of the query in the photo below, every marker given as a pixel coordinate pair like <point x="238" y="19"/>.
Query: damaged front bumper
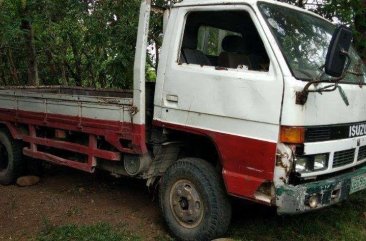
<point x="315" y="195"/>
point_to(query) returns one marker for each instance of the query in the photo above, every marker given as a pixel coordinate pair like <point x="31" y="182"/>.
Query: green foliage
<point x="345" y="221"/>
<point x="350" y="12"/>
<point x="150" y="74"/>
<point x="92" y="42"/>
<point x="85" y="43"/>
<point x="99" y="232"/>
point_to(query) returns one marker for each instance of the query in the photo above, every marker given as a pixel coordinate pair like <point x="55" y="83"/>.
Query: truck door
<point x="221" y="78"/>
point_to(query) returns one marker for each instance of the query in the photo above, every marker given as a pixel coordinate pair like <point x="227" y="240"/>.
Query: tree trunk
<point x="65" y="77"/>
<point x="64" y="66"/>
<point x="52" y="65"/>
<point x="3" y="77"/>
<point x="77" y="78"/>
<point x="13" y="69"/>
<point x="33" y="78"/>
<point x="78" y="71"/>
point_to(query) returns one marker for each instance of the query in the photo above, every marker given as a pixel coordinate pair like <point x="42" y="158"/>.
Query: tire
<point x="193" y="201"/>
<point x="11" y="163"/>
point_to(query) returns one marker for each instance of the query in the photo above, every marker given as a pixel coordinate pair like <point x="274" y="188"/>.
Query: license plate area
<point x="358" y="184"/>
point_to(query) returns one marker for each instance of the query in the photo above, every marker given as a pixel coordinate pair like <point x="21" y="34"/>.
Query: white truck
<point x="254" y="99"/>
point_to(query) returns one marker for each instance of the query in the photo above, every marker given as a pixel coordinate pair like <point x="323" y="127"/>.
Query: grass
<point x="98" y="232"/>
<point x="343" y="222"/>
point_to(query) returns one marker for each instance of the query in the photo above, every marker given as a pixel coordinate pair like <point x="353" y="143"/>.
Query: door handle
<point x="172" y="98"/>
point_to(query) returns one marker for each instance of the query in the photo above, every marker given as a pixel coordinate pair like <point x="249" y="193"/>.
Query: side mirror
<point x="338" y="51"/>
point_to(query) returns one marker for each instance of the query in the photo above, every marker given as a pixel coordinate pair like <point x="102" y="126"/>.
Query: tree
<point x="92" y="42"/>
<point x="28" y="32"/>
<point x="360" y="27"/>
<point x="68" y="42"/>
<point x="350" y="12"/>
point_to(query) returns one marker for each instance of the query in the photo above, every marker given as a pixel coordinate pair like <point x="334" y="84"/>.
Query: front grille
<point x="361" y="153"/>
<point x="318" y="134"/>
<point x="332" y="132"/>
<point x="343" y="158"/>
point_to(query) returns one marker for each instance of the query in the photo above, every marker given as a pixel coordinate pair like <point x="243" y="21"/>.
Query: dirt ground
<point x="66" y="196"/>
<point x="71" y="197"/>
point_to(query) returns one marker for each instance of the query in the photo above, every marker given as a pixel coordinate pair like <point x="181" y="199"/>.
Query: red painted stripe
<point x="86" y="167"/>
<point x="63" y="145"/>
<point x="247" y="163"/>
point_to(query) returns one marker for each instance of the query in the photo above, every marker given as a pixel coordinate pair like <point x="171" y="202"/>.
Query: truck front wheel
<point x="193" y="201"/>
<point x="10" y="158"/>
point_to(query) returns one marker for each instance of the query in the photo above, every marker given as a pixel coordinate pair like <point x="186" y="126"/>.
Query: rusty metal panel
<point x="8" y="101"/>
<point x="295" y="199"/>
<point x="62" y="107"/>
<point x="76" y="110"/>
<point x="93" y="107"/>
<point x="103" y="111"/>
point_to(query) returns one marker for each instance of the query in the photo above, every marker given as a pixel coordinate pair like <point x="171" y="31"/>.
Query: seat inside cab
<point x="224" y="39"/>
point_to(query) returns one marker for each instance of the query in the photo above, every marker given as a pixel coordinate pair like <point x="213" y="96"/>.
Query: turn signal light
<point x="292" y="135"/>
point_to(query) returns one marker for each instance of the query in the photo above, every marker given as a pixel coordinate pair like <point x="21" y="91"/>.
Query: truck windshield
<point x="304" y="40"/>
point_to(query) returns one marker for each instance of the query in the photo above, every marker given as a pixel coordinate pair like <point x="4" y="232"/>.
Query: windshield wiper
<point x="302" y="96"/>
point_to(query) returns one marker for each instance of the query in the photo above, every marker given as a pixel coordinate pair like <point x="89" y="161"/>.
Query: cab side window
<point x="224" y="39"/>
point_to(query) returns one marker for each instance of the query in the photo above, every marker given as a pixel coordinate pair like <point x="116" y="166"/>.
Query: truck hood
<point x="323" y="109"/>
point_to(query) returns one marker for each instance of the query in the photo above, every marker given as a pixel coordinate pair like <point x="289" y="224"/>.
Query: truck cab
<point x="231" y="73"/>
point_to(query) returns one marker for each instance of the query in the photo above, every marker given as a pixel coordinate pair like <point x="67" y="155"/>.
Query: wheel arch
<point x="179" y="144"/>
<point x="191" y="136"/>
<point x="197" y="144"/>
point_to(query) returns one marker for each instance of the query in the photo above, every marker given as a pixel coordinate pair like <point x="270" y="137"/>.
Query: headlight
<point x="320" y="162"/>
<point x="315" y="163"/>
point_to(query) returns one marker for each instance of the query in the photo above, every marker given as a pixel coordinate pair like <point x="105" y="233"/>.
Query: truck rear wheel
<point x="10" y="158"/>
<point x="194" y="202"/>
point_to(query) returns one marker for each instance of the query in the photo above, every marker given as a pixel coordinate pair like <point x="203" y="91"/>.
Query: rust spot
<point x="301" y="97"/>
<point x="280" y="162"/>
<point x="220" y="68"/>
<point x="133" y="110"/>
<point x="283" y="179"/>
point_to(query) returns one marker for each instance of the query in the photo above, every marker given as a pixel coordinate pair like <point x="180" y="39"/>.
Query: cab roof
<point x="217" y="2"/>
<point x="184" y="3"/>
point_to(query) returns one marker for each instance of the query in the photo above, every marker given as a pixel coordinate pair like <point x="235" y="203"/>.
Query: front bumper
<point x="295" y="199"/>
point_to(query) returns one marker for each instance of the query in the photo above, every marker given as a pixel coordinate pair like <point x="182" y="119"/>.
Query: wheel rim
<point x="4" y="160"/>
<point x="186" y="204"/>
